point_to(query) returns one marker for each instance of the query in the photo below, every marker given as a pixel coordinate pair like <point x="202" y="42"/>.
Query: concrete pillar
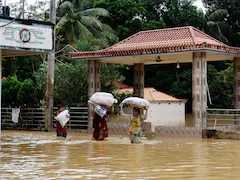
<point x="97" y="76"/>
<point x="135" y="80"/>
<point x="91" y="90"/>
<point x="50" y="92"/>
<point x="199" y="89"/>
<point x="50" y="73"/>
<point x="236" y="88"/>
<point x="94" y="85"/>
<point x="141" y="80"/>
<point x="204" y="89"/>
<point x="91" y="77"/>
<point x="138" y="80"/>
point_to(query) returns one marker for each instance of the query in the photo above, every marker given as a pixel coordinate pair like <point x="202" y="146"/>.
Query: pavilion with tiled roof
<point x="166" y="46"/>
<point x="161" y="47"/>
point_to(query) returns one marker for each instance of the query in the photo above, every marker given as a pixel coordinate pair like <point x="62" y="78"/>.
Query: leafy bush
<point x="10" y="88"/>
<point x="26" y="93"/>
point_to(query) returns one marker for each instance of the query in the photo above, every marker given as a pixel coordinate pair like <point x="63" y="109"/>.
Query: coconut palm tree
<point x="76" y="21"/>
<point x="217" y="25"/>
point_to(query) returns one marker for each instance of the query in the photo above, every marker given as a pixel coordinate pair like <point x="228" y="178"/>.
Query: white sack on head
<point x="103" y="98"/>
<point x="135" y="102"/>
<point x="102" y="94"/>
<point x="91" y="103"/>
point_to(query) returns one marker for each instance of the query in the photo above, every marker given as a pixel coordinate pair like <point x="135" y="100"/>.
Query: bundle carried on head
<point x="135" y="102"/>
<point x="99" y="99"/>
<point x="102" y="98"/>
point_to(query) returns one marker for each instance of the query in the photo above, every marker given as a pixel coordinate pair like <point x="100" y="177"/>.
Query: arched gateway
<point x="20" y="37"/>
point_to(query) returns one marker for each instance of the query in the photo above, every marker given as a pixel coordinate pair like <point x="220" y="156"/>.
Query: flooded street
<point x="40" y="155"/>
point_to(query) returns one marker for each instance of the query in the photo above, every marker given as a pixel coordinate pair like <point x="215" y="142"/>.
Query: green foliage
<point x="160" y="77"/>
<point x="10" y="88"/>
<point x="152" y="8"/>
<point x="125" y="15"/>
<point x="26" y="93"/>
<point x="111" y="72"/>
<point x="16" y="93"/>
<point x="71" y="84"/>
<point x="217" y="25"/>
<point x="91" y="45"/>
<point x="180" y="13"/>
<point x="40" y="79"/>
<point x="182" y="87"/>
<point x="152" y="24"/>
<point x="221" y="92"/>
<point x="232" y="19"/>
<point x="79" y="22"/>
<point x="23" y="67"/>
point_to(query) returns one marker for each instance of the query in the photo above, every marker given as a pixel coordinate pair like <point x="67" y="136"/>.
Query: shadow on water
<point x="34" y="155"/>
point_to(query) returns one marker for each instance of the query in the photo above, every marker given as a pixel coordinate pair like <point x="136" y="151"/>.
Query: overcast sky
<point x="198" y="3"/>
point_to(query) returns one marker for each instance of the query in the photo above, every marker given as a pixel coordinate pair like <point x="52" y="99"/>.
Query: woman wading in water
<point x="135" y="130"/>
<point x="100" y="125"/>
<point x="61" y="131"/>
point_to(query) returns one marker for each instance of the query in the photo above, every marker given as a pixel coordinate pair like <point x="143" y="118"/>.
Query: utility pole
<point x="1" y="7"/>
<point x="50" y="73"/>
<point x="23" y="2"/>
<point x="5" y="12"/>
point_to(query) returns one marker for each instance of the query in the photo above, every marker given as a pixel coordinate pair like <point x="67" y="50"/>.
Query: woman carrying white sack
<point x="100" y="101"/>
<point x="136" y="120"/>
<point x="62" y="117"/>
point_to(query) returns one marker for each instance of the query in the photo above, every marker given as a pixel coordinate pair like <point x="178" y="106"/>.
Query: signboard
<point x="15" y="35"/>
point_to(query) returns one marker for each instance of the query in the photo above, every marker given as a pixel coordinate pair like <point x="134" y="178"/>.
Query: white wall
<point x="166" y="114"/>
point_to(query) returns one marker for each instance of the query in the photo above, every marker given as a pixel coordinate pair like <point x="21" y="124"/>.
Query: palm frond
<point x="70" y="34"/>
<point x="91" y="21"/>
<point x="80" y="4"/>
<point x="109" y="33"/>
<point x="94" y="12"/>
<point x="107" y="28"/>
<point x="211" y="24"/>
<point x="223" y="26"/>
<point x="218" y="15"/>
<point x="58" y="18"/>
<point x="64" y="20"/>
<point x="216" y="30"/>
<point x="82" y="32"/>
<point x="95" y="32"/>
<point x="66" y="7"/>
<point x="221" y="36"/>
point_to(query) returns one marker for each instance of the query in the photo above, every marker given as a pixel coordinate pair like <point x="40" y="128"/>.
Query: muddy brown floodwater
<point x="40" y="155"/>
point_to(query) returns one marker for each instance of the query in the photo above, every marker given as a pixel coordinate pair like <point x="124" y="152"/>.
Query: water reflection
<point x="39" y="155"/>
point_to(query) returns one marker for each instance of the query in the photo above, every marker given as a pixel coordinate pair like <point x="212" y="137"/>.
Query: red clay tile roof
<point x="151" y="94"/>
<point x="160" y="40"/>
<point x="118" y="84"/>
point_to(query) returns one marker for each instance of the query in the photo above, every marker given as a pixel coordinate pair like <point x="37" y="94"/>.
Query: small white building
<point x="164" y="109"/>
